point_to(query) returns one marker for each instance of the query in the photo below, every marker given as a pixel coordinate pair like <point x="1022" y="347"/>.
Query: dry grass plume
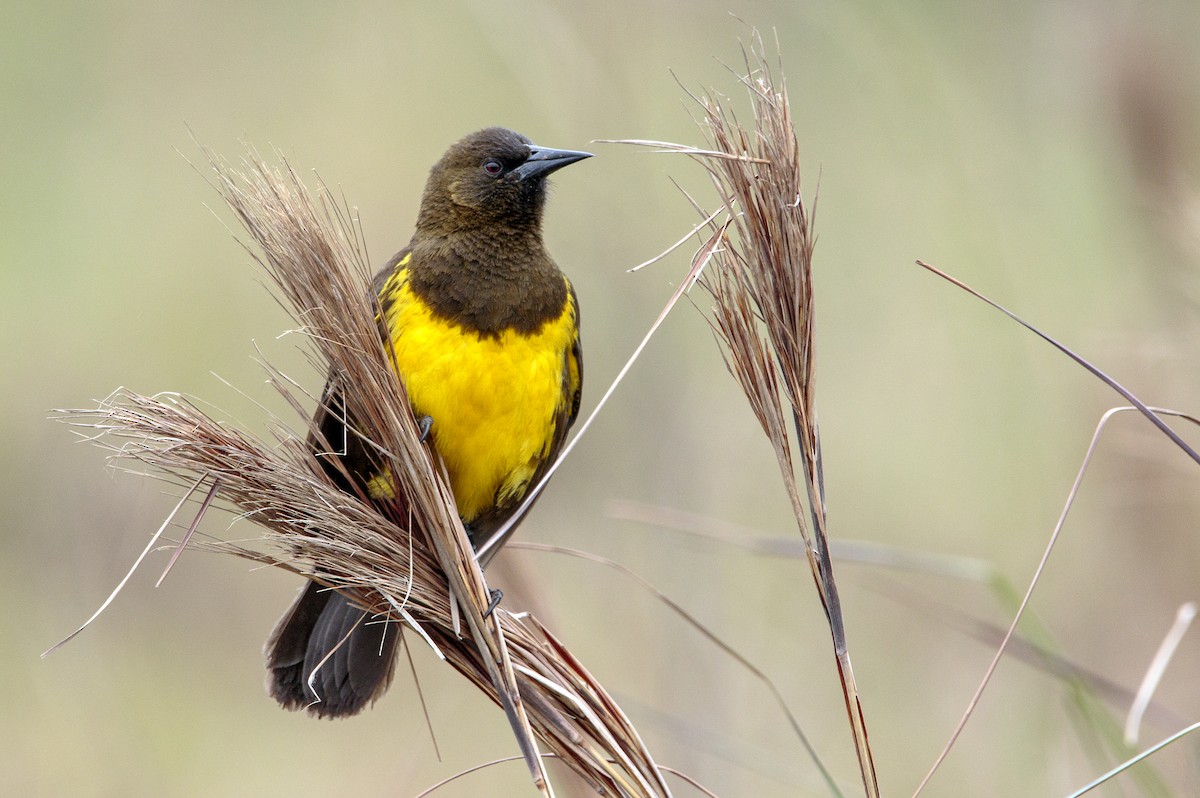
<point x="409" y="563"/>
<point x="756" y="265"/>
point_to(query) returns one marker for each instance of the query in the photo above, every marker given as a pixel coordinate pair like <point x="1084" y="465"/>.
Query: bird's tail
<point x="328" y="656"/>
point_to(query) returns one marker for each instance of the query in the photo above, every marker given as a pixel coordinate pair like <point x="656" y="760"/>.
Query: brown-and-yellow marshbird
<point x="484" y="333"/>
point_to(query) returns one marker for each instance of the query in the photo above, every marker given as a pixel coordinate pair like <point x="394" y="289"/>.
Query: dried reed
<point x="761" y="284"/>
<point x="409" y="563"/>
<point x="759" y="275"/>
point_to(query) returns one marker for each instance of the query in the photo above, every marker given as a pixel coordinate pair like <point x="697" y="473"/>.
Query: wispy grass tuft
<point x="758" y="274"/>
<point x="410" y="562"/>
<point x="761" y="285"/>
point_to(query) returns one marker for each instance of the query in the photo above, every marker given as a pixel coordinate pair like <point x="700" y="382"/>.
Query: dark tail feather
<point x="357" y="671"/>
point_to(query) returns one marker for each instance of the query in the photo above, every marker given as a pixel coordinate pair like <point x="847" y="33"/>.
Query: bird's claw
<point x="496" y="595"/>
<point x="424" y="425"/>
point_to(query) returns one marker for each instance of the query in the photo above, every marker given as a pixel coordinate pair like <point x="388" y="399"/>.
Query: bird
<point x="483" y="331"/>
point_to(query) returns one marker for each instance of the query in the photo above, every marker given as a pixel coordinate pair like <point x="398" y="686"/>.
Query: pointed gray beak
<point x="544" y="160"/>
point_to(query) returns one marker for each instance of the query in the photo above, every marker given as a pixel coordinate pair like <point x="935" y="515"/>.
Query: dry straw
<point x="410" y="562"/>
<point x="761" y="284"/>
<point x="758" y="271"/>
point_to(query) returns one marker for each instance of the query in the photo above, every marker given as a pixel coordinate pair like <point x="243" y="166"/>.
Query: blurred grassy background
<point x="1044" y="152"/>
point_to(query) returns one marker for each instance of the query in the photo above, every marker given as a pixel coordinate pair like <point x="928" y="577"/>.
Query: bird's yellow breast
<point x="494" y="399"/>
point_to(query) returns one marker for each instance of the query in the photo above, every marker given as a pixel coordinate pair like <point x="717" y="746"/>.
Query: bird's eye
<point x="493" y="168"/>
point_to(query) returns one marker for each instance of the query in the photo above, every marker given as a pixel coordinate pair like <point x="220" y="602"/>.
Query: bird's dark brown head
<point x="491" y="177"/>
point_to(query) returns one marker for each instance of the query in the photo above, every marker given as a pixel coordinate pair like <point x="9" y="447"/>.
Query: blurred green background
<point x="1047" y="153"/>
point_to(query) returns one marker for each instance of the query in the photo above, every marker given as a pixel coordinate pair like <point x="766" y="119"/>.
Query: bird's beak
<point x="543" y="160"/>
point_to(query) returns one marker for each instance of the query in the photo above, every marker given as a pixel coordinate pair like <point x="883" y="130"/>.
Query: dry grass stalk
<point x="411" y="562"/>
<point x="760" y="280"/>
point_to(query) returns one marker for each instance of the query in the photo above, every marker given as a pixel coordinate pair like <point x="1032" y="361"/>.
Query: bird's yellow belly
<point x="493" y="399"/>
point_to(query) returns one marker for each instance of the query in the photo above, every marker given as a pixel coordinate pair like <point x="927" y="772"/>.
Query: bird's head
<point x="493" y="176"/>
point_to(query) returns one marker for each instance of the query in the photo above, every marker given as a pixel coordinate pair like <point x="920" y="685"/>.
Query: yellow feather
<point x="494" y="400"/>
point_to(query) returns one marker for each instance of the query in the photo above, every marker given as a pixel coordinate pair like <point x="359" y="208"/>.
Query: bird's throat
<point x="489" y="284"/>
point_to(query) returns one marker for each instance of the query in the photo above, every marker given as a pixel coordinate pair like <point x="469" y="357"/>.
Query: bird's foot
<point x="493" y="604"/>
<point x="424" y="425"/>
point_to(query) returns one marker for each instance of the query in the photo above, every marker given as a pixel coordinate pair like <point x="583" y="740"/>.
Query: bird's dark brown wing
<point x="336" y="439"/>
